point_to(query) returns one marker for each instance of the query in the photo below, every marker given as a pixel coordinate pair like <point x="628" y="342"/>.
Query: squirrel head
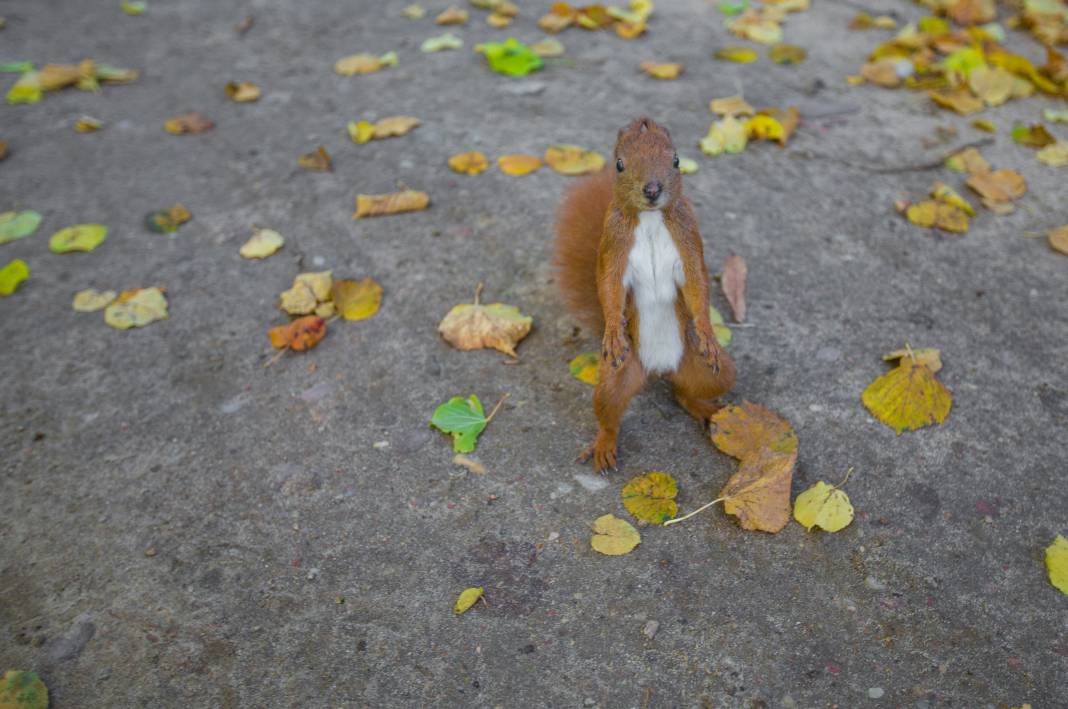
<point x="647" y="166"/>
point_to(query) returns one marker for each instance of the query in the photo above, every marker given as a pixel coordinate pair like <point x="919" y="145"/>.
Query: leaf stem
<point x="497" y="406"/>
<point x="699" y="509"/>
<point x="478" y="291"/>
<point x="277" y="356"/>
<point x="848" y="473"/>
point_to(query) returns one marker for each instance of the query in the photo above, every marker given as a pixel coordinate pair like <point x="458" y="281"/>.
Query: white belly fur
<point x="654" y="274"/>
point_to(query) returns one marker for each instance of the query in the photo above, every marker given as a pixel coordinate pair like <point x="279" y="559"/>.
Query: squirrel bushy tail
<point x="579" y="225"/>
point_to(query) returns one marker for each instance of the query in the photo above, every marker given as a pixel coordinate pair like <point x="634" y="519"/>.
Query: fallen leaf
<point x="944" y="193"/>
<point x="26" y="90"/>
<point x="984" y="125"/>
<point x="927" y="356"/>
<point x="724" y="136"/>
<point x="470" y="163"/>
<point x="1057" y="564"/>
<point x="555" y="21"/>
<point x="548" y="47"/>
<point x="733" y="283"/>
<point x="470" y="463"/>
<point x="993" y="85"/>
<point x="12" y="275"/>
<point x="1056" y="116"/>
<point x="192" y="122"/>
<point x="441" y="43"/>
<point x="90" y="300"/>
<point x="613" y="536"/>
<point x="318" y="161"/>
<point x="414" y="12"/>
<point x="651" y="498"/>
<point x="787" y="54"/>
<point x="573" y="160"/>
<point x="364" y="63"/>
<point x="971" y="12"/>
<point x="745" y="430"/>
<point x="1058" y="239"/>
<point x="452" y="16"/>
<point x="732" y="7"/>
<point x="356" y="300"/>
<point x="758" y="26"/>
<point x="242" y="91"/>
<point x="136" y="307"/>
<point x="463" y="418"/>
<point x="823" y="506"/>
<point x="498" y="20"/>
<point x="1033" y="136"/>
<point x="511" y="57"/>
<point x="308" y="290"/>
<point x="661" y="71"/>
<point x="932" y="213"/>
<point x="998" y="185"/>
<point x="758" y="494"/>
<point x="969" y="161"/>
<point x="731" y="106"/>
<point x="261" y="244"/>
<point x="374" y="205"/>
<point x="788" y="119"/>
<point x="133" y="7"/>
<point x="167" y="221"/>
<point x="740" y="55"/>
<point x="18" y="225"/>
<point x="687" y="166"/>
<point x="586" y="367"/>
<point x="908" y="397"/>
<point x="517" y="165"/>
<point x="87" y="124"/>
<point x="1055" y="155"/>
<point x="23" y="690"/>
<point x="467" y="598"/>
<point x="960" y="100"/>
<point x="472" y="326"/>
<point x="300" y="335"/>
<point x="360" y="131"/>
<point x="723" y="333"/>
<point x="764" y="127"/>
<point x="80" y="237"/>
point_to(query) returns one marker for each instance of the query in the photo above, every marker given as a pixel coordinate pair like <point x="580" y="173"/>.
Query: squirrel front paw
<point x="615" y="347"/>
<point x="708" y="347"/>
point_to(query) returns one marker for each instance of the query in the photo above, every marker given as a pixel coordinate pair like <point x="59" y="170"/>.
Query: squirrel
<point x="629" y="259"/>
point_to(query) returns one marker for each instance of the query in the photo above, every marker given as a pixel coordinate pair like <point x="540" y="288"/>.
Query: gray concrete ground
<point x="297" y="565"/>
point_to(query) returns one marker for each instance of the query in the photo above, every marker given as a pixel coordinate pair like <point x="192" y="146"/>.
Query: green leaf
<point x="651" y="498"/>
<point x="133" y="7"/>
<point x="23" y="690"/>
<point x="463" y="418"/>
<point x="730" y="8"/>
<point x="12" y="274"/>
<point x="510" y="57"/>
<point x="27" y="89"/>
<point x="723" y="333"/>
<point x="80" y="237"/>
<point x="586" y="368"/>
<point x="15" y="225"/>
<point x="16" y="67"/>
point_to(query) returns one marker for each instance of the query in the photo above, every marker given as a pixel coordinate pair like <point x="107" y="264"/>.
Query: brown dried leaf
<point x="473" y="326"/>
<point x="999" y="185"/>
<point x="318" y="160"/>
<point x="192" y="122"/>
<point x="733" y="283"/>
<point x="960" y="100"/>
<point x="374" y="205"/>
<point x="731" y="106"/>
<point x="759" y="493"/>
<point x="299" y="335"/>
<point x="452" y="16"/>
<point x="1058" y="239"/>
<point x="746" y="429"/>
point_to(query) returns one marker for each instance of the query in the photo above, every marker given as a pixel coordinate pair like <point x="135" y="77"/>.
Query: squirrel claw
<point x="603" y="455"/>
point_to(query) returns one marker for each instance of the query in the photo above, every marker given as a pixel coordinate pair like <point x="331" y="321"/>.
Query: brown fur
<point x="595" y="234"/>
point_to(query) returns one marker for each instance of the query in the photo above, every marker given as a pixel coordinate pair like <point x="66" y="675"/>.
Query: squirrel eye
<point x="619" y="166"/>
<point x="675" y="162"/>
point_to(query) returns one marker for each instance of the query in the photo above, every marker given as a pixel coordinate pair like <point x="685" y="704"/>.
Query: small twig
<point x="699" y="509"/>
<point x="478" y="291"/>
<point x="494" y="411"/>
<point x="277" y="356"/>
<point x="911" y="354"/>
<point x="848" y="473"/>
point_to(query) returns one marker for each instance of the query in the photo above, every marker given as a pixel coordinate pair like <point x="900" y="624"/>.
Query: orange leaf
<point x="299" y="335"/>
<point x="517" y="165"/>
<point x="318" y="161"/>
<point x="374" y="205"/>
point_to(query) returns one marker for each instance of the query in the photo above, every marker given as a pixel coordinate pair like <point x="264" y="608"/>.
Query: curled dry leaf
<point x="960" y="100"/>
<point x="87" y="124"/>
<point x="390" y="127"/>
<point x="90" y="300"/>
<point x="661" y="71"/>
<point x="374" y="205"/>
<point x="725" y="136"/>
<point x="192" y="122"/>
<point x="356" y="300"/>
<point x="969" y="161"/>
<point x="740" y="55"/>
<point x="733" y="283"/>
<point x="908" y="397"/>
<point x="1033" y="136"/>
<point x="470" y="463"/>
<point x="613" y="536"/>
<point x="167" y="221"/>
<point x="549" y="47"/>
<point x="364" y="63"/>
<point x="300" y="335"/>
<point x="472" y="326"/>
<point x="242" y="91"/>
<point x="262" y="244"/>
<point x="318" y="161"/>
<point x="136" y="307"/>
<point x="573" y="160"/>
<point x="471" y="163"/>
<point x="452" y="16"/>
<point x="518" y="165"/>
<point x="467" y="598"/>
<point x="651" y="498"/>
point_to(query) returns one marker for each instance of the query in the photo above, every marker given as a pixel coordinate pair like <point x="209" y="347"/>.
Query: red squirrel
<point x="629" y="258"/>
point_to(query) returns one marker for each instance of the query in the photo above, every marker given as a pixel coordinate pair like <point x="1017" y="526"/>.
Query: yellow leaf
<point x="414" y="12"/>
<point x="661" y="71"/>
<point x="80" y="237"/>
<point x="357" y="300"/>
<point x="1055" y="155"/>
<point x="741" y="55"/>
<point x="549" y="47"/>
<point x="787" y="54"/>
<point x="498" y="20"/>
<point x="969" y="161"/>
<point x="361" y="131"/>
<point x="984" y="125"/>
<point x="374" y="205"/>
<point x="470" y="163"/>
<point x="960" y="100"/>
<point x="192" y="122"/>
<point x="629" y="30"/>
<point x="468" y="597"/>
<point x="613" y="536"/>
<point x="744" y="430"/>
<point x="262" y="244"/>
<point x="441" y="43"/>
<point x="87" y="124"/>
<point x="472" y="326"/>
<point x="651" y="498"/>
<point x="1058" y="239"/>
<point x="1057" y="564"/>
<point x="727" y="135"/>
<point x="364" y="63"/>
<point x="687" y="166"/>
<point x="759" y="26"/>
<point x="993" y="85"/>
<point x="763" y="127"/>
<point x="908" y="397"/>
<point x="136" y="307"/>
<point x="823" y="506"/>
<point x="927" y="356"/>
<point x="930" y="213"/>
<point x="12" y="275"/>
<point x="318" y="161"/>
<point x="452" y="16"/>
<point x="573" y="160"/>
<point x="90" y="300"/>
<point x="517" y="165"/>
<point x="307" y="291"/>
<point x="731" y="106"/>
<point x="396" y="126"/>
<point x="242" y="91"/>
<point x="944" y="193"/>
<point x="320" y="283"/>
<point x="998" y="185"/>
<point x="586" y="368"/>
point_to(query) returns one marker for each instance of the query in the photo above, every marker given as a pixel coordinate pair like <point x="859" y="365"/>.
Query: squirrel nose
<point x="652" y="190"/>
